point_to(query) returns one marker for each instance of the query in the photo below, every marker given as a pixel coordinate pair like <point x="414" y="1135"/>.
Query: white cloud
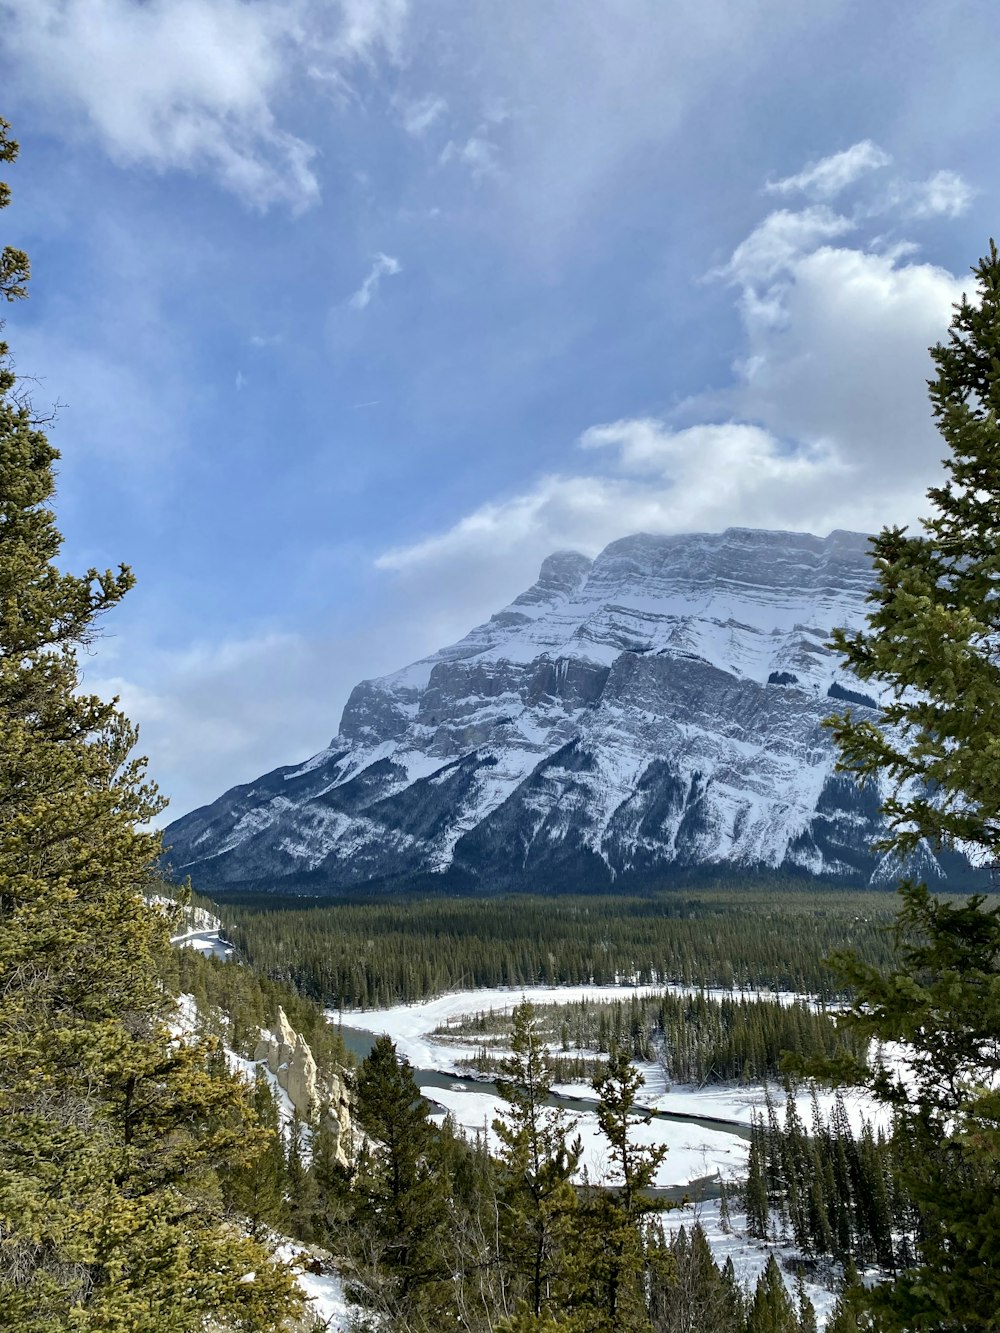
<point x="218" y="711"/>
<point x="825" y="424"/>
<point x="384" y="266"/>
<point x="365" y="26"/>
<point x="193" y="85"/>
<point x="418" y="117"/>
<point x="830" y="175"/>
<point x="225" y="710"/>
<point x="836" y="354"/>
<point x="780" y="239"/>
<point x="477" y="153"/>
<point x="700" y="478"/>
<point x="944" y="194"/>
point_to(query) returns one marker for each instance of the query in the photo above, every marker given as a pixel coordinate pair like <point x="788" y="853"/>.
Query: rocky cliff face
<point x="651" y="713"/>
<point x="316" y="1099"/>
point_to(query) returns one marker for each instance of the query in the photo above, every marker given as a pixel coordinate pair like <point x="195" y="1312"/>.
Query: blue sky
<point x="355" y="309"/>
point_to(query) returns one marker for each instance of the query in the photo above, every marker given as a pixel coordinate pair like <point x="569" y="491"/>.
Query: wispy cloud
<point x="384" y="266"/>
<point x="204" y="103"/>
<point x="826" y="178"/>
<point x="195" y="85"/>
<point x="825" y="396"/>
<point x="945" y="194"/>
<point x="779" y="239"/>
<point x="368" y="26"/>
<point x="478" y="153"/>
<point x="418" y="117"/>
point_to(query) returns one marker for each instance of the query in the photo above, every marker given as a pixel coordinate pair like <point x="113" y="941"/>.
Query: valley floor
<point x="699" y="1152"/>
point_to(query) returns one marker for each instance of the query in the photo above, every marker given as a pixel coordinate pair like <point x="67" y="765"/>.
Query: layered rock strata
<point x="645" y="717"/>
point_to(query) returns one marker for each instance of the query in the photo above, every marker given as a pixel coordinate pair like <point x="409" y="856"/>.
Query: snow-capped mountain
<point x="651" y="712"/>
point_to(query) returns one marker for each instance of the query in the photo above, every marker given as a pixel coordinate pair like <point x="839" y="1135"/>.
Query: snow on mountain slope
<point x="653" y="711"/>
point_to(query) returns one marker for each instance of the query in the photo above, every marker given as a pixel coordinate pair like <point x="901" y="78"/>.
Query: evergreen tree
<point x="255" y="1189"/>
<point x="933" y="644"/>
<point x="611" y="1260"/>
<point x="112" y="1132"/>
<point x="300" y="1184"/>
<point x="849" y="1315"/>
<point x="771" y="1311"/>
<point x="330" y="1187"/>
<point x="806" y="1309"/>
<point x="758" y="1210"/>
<point x="537" y="1161"/>
<point x="400" y="1204"/>
<point x="932" y="640"/>
<point x="690" y="1294"/>
<point x="14" y="267"/>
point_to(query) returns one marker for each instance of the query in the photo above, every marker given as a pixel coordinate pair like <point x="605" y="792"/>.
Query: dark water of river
<point x="359" y="1043"/>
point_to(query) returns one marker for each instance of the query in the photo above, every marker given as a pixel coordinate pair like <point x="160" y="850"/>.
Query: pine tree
<point x="300" y="1184"/>
<point x="933" y="644"/>
<point x="771" y="1311"/>
<point x="14" y="267"/>
<point x="255" y="1189"/>
<point x="538" y="1161"/>
<point x="806" y="1309"/>
<point x="111" y="1131"/>
<point x="689" y="1293"/>
<point x="849" y="1314"/>
<point x="757" y="1204"/>
<point x="330" y="1187"/>
<point x="400" y="1204"/>
<point x="611" y="1258"/>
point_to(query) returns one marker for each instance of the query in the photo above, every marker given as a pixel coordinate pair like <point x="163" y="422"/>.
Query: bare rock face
<point x="317" y="1100"/>
<point x="646" y="715"/>
<point x="301" y="1084"/>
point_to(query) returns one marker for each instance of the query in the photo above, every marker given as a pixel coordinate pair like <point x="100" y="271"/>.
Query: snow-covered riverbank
<point x="695" y="1150"/>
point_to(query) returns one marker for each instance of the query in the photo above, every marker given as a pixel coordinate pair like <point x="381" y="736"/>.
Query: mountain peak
<point x="646" y="714"/>
<point x="561" y="574"/>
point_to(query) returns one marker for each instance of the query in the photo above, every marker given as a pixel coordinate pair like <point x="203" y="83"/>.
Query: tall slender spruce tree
<point x="933" y="644"/>
<point x="111" y="1132"/>
<point x="538" y="1157"/>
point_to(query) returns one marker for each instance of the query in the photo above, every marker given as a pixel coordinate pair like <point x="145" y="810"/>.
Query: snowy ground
<point x="694" y="1151"/>
<point x="324" y="1292"/>
<point x="411" y="1027"/>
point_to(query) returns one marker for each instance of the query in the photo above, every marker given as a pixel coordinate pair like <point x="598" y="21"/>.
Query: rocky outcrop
<point x="317" y="1099"/>
<point x="651" y="714"/>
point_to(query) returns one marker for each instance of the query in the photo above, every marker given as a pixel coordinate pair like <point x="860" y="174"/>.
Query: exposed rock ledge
<point x="319" y="1100"/>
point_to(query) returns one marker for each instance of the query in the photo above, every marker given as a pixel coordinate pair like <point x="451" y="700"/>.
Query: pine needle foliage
<point x="112" y="1132"/>
<point x="933" y="644"/>
<point x="933" y="636"/>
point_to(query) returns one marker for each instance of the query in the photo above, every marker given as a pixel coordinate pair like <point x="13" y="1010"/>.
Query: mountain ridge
<point x="650" y="714"/>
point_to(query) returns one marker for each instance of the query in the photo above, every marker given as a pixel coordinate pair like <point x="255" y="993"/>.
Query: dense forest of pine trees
<point x="370" y="954"/>
<point x="696" y="1038"/>
<point x="830" y="1191"/>
<point x="234" y="1003"/>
